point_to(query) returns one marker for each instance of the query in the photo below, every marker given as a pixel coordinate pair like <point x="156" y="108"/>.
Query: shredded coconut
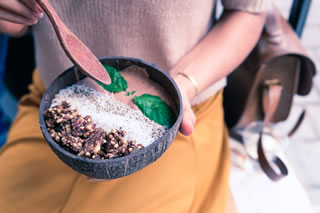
<point x="109" y="113"/>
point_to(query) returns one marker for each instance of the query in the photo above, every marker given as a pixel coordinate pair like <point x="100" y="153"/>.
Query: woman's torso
<point x="160" y="32"/>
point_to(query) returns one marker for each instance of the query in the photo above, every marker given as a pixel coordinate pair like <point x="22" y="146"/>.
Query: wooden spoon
<point x="79" y="54"/>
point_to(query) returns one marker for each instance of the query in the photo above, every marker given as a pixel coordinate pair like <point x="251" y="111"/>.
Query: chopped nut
<point x="57" y="138"/>
<point x="96" y="149"/>
<point x="80" y="136"/>
<point x="110" y="155"/>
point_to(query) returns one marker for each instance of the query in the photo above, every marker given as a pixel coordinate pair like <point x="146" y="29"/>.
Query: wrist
<point x="186" y="85"/>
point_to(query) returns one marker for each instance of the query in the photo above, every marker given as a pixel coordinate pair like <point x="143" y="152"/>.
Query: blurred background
<point x="14" y="76"/>
<point x="302" y="186"/>
<point x="303" y="153"/>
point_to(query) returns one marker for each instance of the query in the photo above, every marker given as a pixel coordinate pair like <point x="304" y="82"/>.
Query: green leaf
<point x="155" y="109"/>
<point x="118" y="83"/>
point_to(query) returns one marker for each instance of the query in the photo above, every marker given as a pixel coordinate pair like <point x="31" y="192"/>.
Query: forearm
<point x="13" y="29"/>
<point x="221" y="51"/>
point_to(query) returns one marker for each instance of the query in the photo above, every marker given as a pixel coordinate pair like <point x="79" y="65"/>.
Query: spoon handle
<point x="80" y="55"/>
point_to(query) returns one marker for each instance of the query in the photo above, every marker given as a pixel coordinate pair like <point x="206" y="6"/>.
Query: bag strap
<point x="271" y="98"/>
<point x="270" y="101"/>
<point x="272" y="27"/>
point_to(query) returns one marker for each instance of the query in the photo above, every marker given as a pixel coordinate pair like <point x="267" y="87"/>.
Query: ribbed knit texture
<point x="158" y="31"/>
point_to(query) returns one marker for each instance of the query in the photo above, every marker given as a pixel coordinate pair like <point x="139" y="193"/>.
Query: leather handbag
<point x="263" y="86"/>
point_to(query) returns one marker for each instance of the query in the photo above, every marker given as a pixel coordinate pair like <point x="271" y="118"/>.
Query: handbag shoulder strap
<point x="270" y="98"/>
<point x="272" y="27"/>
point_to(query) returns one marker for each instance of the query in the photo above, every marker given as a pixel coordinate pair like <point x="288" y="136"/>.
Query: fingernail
<point x="192" y="125"/>
<point x="194" y="122"/>
<point x="38" y="15"/>
<point x="31" y="21"/>
<point x="38" y="8"/>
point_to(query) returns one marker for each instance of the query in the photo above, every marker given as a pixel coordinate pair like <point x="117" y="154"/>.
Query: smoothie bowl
<point x="111" y="134"/>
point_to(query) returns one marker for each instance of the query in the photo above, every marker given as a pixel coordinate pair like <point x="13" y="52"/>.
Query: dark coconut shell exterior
<point x="123" y="166"/>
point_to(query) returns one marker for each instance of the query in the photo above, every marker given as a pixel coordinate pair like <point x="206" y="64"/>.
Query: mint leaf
<point x="130" y="93"/>
<point x="155" y="109"/>
<point x="118" y="83"/>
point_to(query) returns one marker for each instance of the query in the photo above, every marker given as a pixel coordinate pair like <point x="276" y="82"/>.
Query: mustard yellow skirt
<point x="192" y="176"/>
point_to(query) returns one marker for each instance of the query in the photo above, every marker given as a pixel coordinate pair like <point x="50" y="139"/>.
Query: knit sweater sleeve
<point x="254" y="6"/>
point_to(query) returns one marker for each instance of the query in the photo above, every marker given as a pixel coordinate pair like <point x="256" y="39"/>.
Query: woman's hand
<point x="25" y="12"/>
<point x="214" y="57"/>
<point x="16" y="15"/>
<point x="187" y="93"/>
<point x="188" y="118"/>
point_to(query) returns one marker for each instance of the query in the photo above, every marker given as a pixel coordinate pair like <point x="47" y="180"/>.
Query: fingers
<point x="32" y="5"/>
<point x="17" y="12"/>
<point x="19" y="8"/>
<point x="189" y="118"/>
<point x="188" y="122"/>
<point x="11" y="17"/>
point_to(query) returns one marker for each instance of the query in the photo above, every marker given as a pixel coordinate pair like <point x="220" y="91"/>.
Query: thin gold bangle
<point x="193" y="82"/>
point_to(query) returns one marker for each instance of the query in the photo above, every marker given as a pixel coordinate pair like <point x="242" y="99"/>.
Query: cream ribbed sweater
<point x="157" y="31"/>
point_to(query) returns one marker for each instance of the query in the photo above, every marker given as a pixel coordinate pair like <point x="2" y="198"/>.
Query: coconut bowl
<point x="122" y="166"/>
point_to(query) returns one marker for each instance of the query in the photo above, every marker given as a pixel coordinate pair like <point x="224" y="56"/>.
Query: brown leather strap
<point x="271" y="98"/>
<point x="267" y="167"/>
<point x="263" y="161"/>
<point x="273" y="27"/>
<point x="298" y="123"/>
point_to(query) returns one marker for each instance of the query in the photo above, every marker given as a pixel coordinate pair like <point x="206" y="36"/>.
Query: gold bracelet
<point x="193" y="82"/>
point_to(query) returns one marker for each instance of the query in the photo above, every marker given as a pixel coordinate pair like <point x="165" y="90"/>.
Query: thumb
<point x="188" y="121"/>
